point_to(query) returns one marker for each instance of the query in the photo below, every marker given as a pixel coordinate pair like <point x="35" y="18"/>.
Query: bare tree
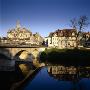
<point x="74" y="23"/>
<point x="80" y="23"/>
<point x="83" y="22"/>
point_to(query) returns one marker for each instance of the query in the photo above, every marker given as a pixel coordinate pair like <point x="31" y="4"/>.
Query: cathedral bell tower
<point x="18" y="24"/>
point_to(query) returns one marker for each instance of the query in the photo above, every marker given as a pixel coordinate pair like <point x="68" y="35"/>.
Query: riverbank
<point x="66" y="56"/>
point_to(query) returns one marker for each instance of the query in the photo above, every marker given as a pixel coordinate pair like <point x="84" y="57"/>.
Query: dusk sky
<point x="43" y="16"/>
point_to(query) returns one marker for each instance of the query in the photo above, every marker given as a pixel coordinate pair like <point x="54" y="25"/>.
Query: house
<point x="65" y="38"/>
<point x="83" y="37"/>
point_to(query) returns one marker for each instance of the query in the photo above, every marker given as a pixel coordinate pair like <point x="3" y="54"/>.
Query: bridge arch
<point x="17" y="51"/>
<point x="24" y="55"/>
<point x="24" y="67"/>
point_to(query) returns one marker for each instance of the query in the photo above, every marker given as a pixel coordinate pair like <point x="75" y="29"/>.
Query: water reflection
<point x="62" y="72"/>
<point x="43" y="81"/>
<point x="61" y="78"/>
<point x="69" y="71"/>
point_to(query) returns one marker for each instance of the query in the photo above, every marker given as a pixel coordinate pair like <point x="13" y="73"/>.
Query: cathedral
<point x="19" y="33"/>
<point x="23" y="36"/>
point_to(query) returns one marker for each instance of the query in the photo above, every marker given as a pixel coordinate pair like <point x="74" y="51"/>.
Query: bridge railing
<point x="18" y="45"/>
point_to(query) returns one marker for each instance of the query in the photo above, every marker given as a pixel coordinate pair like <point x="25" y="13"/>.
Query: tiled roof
<point x="64" y="32"/>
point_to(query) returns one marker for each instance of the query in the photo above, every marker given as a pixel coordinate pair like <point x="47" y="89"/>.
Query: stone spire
<point x="18" y="24"/>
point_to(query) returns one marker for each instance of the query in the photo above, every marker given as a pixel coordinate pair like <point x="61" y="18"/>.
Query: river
<point x="48" y="80"/>
<point x="54" y="77"/>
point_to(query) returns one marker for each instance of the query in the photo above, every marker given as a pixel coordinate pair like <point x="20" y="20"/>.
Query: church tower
<point x="18" y="24"/>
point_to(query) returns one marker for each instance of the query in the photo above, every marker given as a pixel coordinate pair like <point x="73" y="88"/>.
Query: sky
<point x="43" y="16"/>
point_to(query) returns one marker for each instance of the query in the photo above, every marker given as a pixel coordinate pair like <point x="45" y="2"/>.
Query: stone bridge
<point x="22" y="53"/>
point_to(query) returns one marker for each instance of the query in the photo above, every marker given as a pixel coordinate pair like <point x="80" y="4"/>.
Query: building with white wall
<point x="65" y="38"/>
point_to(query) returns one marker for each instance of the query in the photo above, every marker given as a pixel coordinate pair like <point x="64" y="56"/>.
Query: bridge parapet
<point x="12" y="51"/>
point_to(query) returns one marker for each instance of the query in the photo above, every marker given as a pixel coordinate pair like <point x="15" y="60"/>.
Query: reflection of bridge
<point x="21" y="52"/>
<point x="23" y="65"/>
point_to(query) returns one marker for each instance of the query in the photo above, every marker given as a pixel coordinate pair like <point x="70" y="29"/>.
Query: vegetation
<point x="66" y="56"/>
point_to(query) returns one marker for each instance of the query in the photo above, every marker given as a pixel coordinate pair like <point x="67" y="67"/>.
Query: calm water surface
<point x="44" y="81"/>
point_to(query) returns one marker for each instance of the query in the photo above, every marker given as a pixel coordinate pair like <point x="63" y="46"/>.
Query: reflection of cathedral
<point x="23" y="35"/>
